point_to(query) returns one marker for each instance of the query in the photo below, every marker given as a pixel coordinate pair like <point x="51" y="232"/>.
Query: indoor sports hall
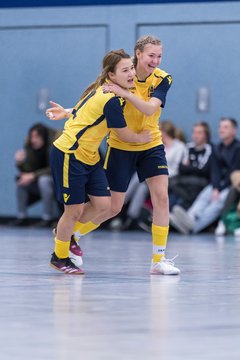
<point x="118" y="309"/>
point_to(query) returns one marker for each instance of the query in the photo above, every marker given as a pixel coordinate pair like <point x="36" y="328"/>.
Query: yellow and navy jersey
<point x="89" y="123"/>
<point x="156" y="85"/>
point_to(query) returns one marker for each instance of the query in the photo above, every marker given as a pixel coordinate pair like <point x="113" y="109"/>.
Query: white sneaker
<point x="164" y="267"/>
<point x="75" y="252"/>
<point x="220" y="229"/>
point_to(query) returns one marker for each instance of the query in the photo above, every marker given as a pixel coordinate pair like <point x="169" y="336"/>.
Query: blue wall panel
<point x="200" y="55"/>
<point x="34" y="59"/>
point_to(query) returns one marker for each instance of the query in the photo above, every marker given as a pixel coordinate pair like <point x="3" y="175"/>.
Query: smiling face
<point x="124" y="74"/>
<point x="148" y="59"/>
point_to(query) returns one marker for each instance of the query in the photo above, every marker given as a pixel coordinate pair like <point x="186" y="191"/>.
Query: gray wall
<point x="60" y="49"/>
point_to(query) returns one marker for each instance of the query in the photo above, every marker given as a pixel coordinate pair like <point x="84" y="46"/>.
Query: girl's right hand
<point x="20" y="156"/>
<point x="57" y="112"/>
<point x="145" y="136"/>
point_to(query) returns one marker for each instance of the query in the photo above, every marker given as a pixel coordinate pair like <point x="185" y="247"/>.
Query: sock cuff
<point x="61" y="242"/>
<point x="84" y="229"/>
<point x="94" y="225"/>
<point x="160" y="229"/>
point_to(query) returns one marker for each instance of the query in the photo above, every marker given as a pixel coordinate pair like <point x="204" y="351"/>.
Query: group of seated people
<point x="204" y="180"/>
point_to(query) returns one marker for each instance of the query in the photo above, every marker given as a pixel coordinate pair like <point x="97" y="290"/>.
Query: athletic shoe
<point x="65" y="265"/>
<point x="180" y="220"/>
<point x="75" y="252"/>
<point x="183" y="215"/>
<point x="177" y="224"/>
<point x="220" y="229"/>
<point x="164" y="267"/>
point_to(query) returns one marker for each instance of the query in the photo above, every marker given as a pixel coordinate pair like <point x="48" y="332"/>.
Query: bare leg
<point x="158" y="187"/>
<point x="97" y="207"/>
<point x="117" y="201"/>
<point x="67" y="220"/>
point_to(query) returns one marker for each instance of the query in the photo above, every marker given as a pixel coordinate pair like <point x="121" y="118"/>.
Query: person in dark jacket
<point x="194" y="170"/>
<point x="34" y="181"/>
<point x="208" y="205"/>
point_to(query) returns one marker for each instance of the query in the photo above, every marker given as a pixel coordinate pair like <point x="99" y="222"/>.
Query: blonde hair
<point x="109" y="63"/>
<point x="142" y="42"/>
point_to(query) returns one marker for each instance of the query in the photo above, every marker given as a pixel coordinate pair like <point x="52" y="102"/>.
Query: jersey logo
<point x="162" y="167"/>
<point x="66" y="197"/>
<point x="122" y="101"/>
<point x="169" y="79"/>
<point x="150" y="90"/>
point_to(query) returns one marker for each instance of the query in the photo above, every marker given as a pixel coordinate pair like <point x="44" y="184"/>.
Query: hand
<point x="20" y="156"/>
<point x="186" y="162"/>
<point x="26" y="179"/>
<point x="57" y="112"/>
<point x="144" y="136"/>
<point x="116" y="89"/>
<point x="215" y="194"/>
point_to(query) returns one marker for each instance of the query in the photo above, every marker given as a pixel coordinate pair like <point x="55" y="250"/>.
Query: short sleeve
<point x="113" y="112"/>
<point x="160" y="92"/>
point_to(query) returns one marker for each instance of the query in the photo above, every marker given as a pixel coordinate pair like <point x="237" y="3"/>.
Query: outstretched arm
<point x="57" y="112"/>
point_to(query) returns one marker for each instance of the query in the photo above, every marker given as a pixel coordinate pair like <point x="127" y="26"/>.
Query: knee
<point x="104" y="206"/>
<point x="115" y="209"/>
<point x="160" y="199"/>
<point x="73" y="216"/>
<point x="45" y="183"/>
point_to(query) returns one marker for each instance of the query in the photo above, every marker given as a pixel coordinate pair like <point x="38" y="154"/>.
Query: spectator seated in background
<point x="207" y="207"/>
<point x="34" y="181"/>
<point x="138" y="212"/>
<point x="229" y="222"/>
<point x="194" y="169"/>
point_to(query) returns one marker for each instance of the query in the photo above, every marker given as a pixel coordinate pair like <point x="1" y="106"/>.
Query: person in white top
<point x="174" y="147"/>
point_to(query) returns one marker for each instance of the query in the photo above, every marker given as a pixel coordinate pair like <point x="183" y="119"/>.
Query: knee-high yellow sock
<point x="83" y="229"/>
<point x="61" y="248"/>
<point x="159" y="237"/>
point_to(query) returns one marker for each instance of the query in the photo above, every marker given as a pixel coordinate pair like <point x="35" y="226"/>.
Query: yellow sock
<point x="61" y="248"/>
<point x="83" y="229"/>
<point x="159" y="236"/>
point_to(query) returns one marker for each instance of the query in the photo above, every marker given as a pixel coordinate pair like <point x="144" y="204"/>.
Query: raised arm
<point x="147" y="107"/>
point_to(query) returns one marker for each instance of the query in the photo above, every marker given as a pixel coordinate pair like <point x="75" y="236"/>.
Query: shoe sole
<point x="67" y="273"/>
<point x="159" y="273"/>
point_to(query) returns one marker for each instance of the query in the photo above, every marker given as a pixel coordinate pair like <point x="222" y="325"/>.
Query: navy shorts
<point x="75" y="180"/>
<point x="120" y="165"/>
